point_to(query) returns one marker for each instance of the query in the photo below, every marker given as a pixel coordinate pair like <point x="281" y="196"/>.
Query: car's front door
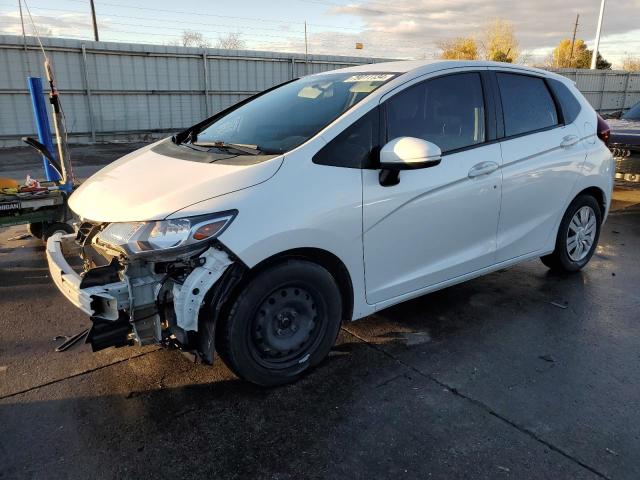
<point x="437" y="223"/>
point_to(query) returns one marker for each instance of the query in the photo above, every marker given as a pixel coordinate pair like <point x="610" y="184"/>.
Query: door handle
<point x="569" y="141"/>
<point x="483" y="168"/>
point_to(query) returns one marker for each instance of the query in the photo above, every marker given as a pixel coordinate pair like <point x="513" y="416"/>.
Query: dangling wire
<point x="54" y="94"/>
<point x="35" y="29"/>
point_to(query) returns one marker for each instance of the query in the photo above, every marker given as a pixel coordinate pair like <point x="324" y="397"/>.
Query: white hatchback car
<point x="258" y="231"/>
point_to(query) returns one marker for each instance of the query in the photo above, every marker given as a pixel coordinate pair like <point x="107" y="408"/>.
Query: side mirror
<point x="407" y="153"/>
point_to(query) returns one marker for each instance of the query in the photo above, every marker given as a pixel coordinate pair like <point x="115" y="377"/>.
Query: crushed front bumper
<point x="99" y="301"/>
<point x="128" y="302"/>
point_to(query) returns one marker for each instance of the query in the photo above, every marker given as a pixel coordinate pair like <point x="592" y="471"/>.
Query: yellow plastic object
<point x="8" y="183"/>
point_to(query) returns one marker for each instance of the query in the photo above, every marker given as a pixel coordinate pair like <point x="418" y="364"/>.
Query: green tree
<point x="601" y="63"/>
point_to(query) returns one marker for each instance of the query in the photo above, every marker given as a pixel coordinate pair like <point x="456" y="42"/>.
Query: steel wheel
<point x="581" y="234"/>
<point x="286" y="327"/>
<point x="283" y="322"/>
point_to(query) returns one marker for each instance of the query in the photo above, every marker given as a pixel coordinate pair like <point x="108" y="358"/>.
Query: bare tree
<point x="233" y="41"/>
<point x="191" y="38"/>
<point x="631" y="64"/>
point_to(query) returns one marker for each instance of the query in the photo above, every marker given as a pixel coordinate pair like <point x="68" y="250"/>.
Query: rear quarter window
<point x="527" y="104"/>
<point x="569" y="104"/>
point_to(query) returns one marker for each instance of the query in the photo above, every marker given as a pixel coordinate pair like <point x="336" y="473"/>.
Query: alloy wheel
<point x="581" y="234"/>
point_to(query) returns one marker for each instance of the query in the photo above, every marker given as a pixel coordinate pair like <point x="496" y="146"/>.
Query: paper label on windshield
<point x="376" y="77"/>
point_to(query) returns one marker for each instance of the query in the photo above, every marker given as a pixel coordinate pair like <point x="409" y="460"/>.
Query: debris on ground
<point x="547" y="358"/>
<point x="22" y="236"/>
<point x="612" y="452"/>
<point x="415" y="338"/>
<point x="559" y="305"/>
<point x="70" y="341"/>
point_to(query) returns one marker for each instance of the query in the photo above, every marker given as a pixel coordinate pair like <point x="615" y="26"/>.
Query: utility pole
<point x="95" y="24"/>
<point x="306" y="50"/>
<point x="24" y="36"/>
<point x="573" y="39"/>
<point x="594" y="57"/>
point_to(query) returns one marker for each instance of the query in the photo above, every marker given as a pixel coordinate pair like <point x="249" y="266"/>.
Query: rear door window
<point x="527" y="105"/>
<point x="448" y="111"/>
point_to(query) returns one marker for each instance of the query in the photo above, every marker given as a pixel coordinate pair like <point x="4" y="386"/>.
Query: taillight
<point x="603" y="130"/>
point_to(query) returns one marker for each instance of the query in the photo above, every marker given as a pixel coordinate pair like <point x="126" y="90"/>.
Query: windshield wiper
<point x="240" y="147"/>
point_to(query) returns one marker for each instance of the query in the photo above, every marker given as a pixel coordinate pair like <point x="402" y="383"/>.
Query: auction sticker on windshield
<point x="378" y="77"/>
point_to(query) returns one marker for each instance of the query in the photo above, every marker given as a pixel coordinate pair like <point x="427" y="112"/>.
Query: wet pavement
<point x="518" y="374"/>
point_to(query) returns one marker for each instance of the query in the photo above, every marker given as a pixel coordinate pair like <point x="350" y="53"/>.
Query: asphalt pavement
<point x="519" y="374"/>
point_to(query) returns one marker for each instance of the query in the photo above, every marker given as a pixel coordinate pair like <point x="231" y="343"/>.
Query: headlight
<point x="176" y="234"/>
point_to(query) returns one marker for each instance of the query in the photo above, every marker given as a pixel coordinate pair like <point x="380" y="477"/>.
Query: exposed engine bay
<point x="153" y="299"/>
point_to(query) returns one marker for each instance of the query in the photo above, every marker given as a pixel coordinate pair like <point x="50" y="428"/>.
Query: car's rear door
<point x="541" y="159"/>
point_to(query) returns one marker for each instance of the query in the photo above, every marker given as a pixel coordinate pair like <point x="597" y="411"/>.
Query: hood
<point x="155" y="181"/>
<point x="624" y="131"/>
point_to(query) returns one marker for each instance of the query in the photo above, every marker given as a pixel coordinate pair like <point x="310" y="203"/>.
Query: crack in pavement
<point x="79" y="374"/>
<point x="482" y="406"/>
<point x="430" y="377"/>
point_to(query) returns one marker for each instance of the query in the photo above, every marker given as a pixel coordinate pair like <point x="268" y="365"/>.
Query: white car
<point x="258" y="231"/>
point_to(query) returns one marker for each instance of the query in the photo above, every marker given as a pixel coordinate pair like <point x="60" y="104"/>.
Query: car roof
<point x="421" y="67"/>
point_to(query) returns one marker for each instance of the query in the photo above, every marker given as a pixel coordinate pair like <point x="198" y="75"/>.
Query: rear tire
<point x="577" y="236"/>
<point x="283" y="322"/>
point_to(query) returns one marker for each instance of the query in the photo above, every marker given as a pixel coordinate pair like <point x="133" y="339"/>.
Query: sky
<point x="391" y="29"/>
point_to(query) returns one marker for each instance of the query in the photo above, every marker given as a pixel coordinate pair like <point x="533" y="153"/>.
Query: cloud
<point x="539" y="24"/>
<point x="63" y="25"/>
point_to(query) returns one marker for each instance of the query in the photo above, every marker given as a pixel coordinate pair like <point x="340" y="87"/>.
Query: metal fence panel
<point x="116" y="90"/>
<point x="606" y="90"/>
<point x="129" y="91"/>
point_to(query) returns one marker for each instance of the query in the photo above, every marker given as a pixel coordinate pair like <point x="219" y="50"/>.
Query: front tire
<point x="36" y="230"/>
<point x="577" y="237"/>
<point x="50" y="229"/>
<point x="283" y="322"/>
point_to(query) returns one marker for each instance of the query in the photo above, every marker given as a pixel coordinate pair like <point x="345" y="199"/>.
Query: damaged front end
<point x="146" y="282"/>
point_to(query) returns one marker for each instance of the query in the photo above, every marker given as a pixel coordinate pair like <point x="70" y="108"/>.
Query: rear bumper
<point x="102" y="301"/>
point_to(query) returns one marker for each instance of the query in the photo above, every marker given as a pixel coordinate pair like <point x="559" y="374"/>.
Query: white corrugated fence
<point x="120" y="91"/>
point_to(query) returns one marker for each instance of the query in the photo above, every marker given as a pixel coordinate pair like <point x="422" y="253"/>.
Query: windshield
<point x="286" y="117"/>
<point x="633" y="113"/>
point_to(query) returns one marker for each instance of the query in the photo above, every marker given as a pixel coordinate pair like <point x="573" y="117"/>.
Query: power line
<point x="204" y="14"/>
<point x="291" y="42"/>
<point x="148" y="18"/>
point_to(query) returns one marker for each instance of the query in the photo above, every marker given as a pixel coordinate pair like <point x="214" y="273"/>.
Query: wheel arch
<point x="598" y="194"/>
<point x="324" y="258"/>
<point x="222" y="295"/>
